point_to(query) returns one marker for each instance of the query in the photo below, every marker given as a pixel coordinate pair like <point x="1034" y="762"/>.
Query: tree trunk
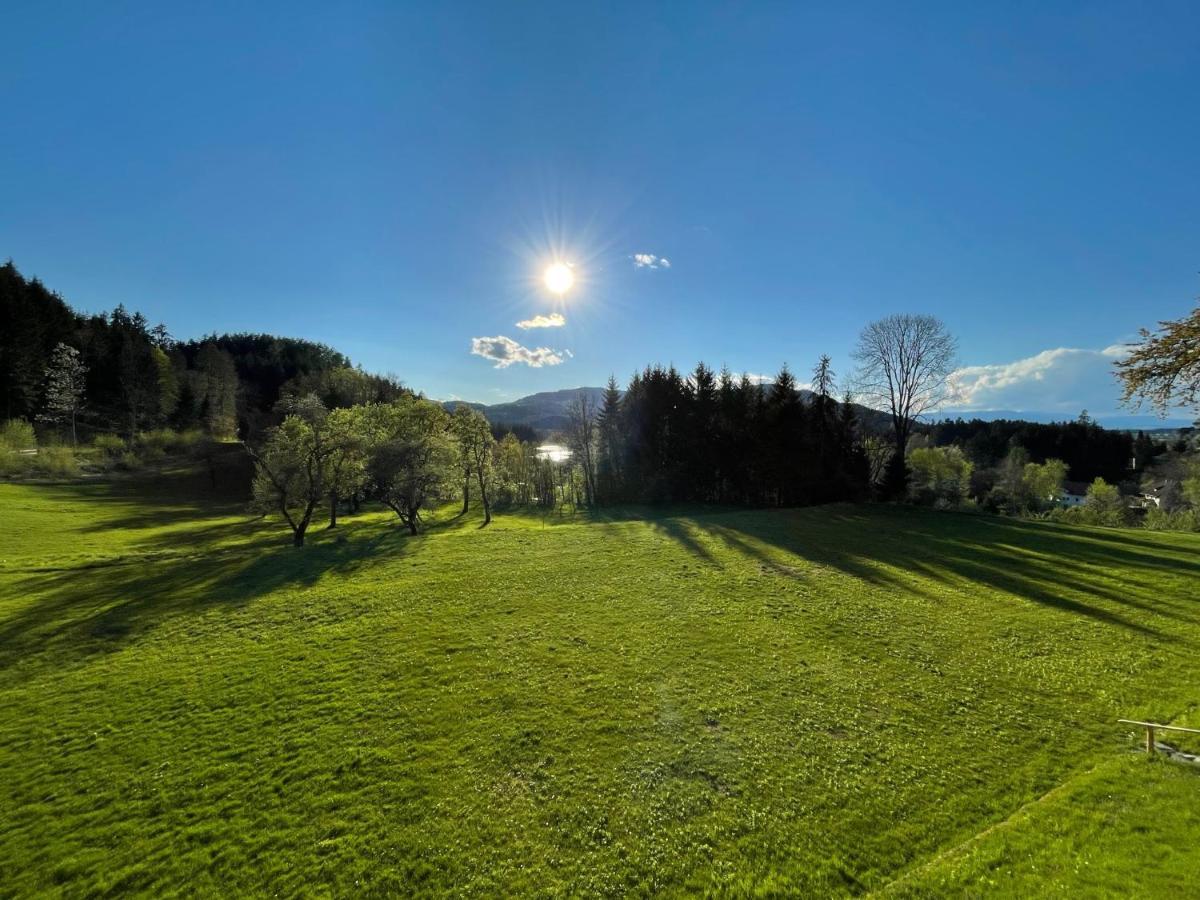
<point x="302" y="526"/>
<point x="487" y="507"/>
<point x="333" y="506"/>
<point x="466" y="492"/>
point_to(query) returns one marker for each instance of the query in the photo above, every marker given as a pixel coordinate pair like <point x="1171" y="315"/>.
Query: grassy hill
<point x="825" y="701"/>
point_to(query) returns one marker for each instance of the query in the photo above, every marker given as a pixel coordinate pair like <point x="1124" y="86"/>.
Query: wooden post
<point x="1152" y="726"/>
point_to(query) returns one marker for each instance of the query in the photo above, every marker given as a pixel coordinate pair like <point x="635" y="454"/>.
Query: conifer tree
<point x="608" y="426"/>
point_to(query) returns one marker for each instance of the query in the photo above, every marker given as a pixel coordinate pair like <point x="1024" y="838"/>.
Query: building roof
<point x="1079" y="488"/>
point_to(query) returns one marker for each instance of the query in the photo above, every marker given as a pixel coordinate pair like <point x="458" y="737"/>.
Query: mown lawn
<point x="825" y="701"/>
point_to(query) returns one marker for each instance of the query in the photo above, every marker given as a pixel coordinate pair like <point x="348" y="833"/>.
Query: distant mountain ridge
<point x="1113" y="422"/>
<point x="548" y="412"/>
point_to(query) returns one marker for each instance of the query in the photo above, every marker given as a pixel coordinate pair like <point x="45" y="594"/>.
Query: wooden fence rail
<point x="1151" y="727"/>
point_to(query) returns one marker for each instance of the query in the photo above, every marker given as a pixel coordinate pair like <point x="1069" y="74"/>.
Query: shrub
<point x="13" y="463"/>
<point x="129" y="461"/>
<point x="56" y="462"/>
<point x="1177" y="520"/>
<point x="161" y="438"/>
<point x="17" y="434"/>
<point x="109" y="444"/>
<point x="165" y="441"/>
<point x="1069" y="515"/>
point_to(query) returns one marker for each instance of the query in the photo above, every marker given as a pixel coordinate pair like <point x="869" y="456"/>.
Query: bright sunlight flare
<point x="559" y="278"/>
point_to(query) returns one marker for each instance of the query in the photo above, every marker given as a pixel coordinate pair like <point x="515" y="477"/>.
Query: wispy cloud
<point x="504" y="352"/>
<point x="554" y="320"/>
<point x="650" y="261"/>
<point x="1063" y="379"/>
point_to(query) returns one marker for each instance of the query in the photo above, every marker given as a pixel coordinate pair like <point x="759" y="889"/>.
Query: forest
<point x="327" y="435"/>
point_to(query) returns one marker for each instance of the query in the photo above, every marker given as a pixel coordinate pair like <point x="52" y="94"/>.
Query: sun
<point x="559" y="278"/>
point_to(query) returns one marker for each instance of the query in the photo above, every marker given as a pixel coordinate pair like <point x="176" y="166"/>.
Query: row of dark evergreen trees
<point x="1089" y="450"/>
<point x="136" y="377"/>
<point x="715" y="438"/>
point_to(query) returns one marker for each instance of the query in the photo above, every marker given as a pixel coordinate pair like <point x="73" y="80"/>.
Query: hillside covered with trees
<point x="115" y="373"/>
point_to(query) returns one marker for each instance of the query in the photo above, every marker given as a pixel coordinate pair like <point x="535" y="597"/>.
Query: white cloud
<point x="1064" y="379"/>
<point x="504" y="352"/>
<point x="554" y="320"/>
<point x="650" y="261"/>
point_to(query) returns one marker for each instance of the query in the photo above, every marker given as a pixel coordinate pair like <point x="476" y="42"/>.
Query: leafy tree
<point x="475" y="443"/>
<point x="66" y="381"/>
<point x="416" y="460"/>
<point x="1104" y="504"/>
<point x="1043" y="483"/>
<point x="513" y="462"/>
<point x="1011" y="489"/>
<point x="349" y="435"/>
<point x="938" y="475"/>
<point x="1164" y="367"/>
<point x="904" y="367"/>
<point x="291" y="473"/>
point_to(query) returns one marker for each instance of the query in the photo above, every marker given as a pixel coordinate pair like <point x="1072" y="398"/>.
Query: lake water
<point x="553" y="452"/>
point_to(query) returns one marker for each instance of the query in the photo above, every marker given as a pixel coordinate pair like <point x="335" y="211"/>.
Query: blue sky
<point x="392" y="180"/>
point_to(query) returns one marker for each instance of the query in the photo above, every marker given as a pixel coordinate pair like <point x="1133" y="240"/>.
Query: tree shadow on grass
<point x="97" y="609"/>
<point x="1083" y="572"/>
<point x="1105" y="575"/>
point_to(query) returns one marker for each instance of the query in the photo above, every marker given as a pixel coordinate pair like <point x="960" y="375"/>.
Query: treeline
<point x="716" y="438"/>
<point x="1088" y="450"/>
<point x="409" y="454"/>
<point x="669" y="438"/>
<point x="77" y="376"/>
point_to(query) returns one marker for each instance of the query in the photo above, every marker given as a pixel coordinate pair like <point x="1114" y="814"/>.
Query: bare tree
<point x="582" y="439"/>
<point x="904" y="367"/>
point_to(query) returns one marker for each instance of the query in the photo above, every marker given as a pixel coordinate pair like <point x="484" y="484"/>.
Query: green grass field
<point x="836" y="700"/>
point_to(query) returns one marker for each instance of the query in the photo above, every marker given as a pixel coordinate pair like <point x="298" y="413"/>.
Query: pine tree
<point x="608" y="425"/>
<point x="823" y="403"/>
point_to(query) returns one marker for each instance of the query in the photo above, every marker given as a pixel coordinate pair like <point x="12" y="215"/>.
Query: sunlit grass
<point x="816" y="701"/>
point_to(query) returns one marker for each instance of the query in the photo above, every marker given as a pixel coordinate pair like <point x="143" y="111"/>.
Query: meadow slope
<point x="833" y="700"/>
